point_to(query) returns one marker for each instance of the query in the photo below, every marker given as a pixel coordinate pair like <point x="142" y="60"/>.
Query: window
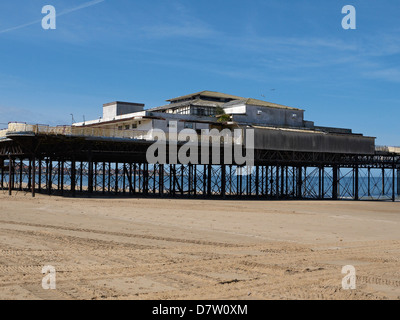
<point x="127" y="127"/>
<point x="120" y="128"/>
<point x="204" y="111"/>
<point x="184" y="110"/>
<point x="134" y="126"/>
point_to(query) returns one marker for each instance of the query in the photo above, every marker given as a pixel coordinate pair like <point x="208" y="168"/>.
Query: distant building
<point x="202" y="110"/>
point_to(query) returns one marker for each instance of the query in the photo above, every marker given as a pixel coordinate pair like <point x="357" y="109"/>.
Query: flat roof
<point x="126" y="103"/>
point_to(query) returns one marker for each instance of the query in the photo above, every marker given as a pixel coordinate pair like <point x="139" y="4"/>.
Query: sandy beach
<point x="197" y="249"/>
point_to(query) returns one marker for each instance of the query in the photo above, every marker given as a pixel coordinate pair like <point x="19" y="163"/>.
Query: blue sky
<point x="150" y="51"/>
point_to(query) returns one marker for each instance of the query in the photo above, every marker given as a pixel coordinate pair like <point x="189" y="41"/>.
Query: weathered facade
<point x="293" y="158"/>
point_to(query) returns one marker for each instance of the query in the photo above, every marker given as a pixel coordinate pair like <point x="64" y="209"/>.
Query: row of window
<point x="188" y="125"/>
<point x="196" y="111"/>
<point x="128" y="126"/>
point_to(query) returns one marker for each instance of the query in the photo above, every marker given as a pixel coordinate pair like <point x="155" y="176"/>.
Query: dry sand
<point x="197" y="249"/>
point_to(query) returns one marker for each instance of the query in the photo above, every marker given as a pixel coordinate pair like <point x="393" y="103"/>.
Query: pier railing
<point x="132" y="134"/>
<point x="3" y="133"/>
<point x="387" y="149"/>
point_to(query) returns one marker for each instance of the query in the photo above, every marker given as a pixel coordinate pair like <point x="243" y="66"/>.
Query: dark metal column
<point x="161" y="180"/>
<point x="21" y="164"/>
<point x="134" y="178"/>
<point x="240" y="177"/>
<point x="195" y="179"/>
<point x="287" y="182"/>
<point x="2" y="175"/>
<point x="398" y="182"/>
<point x="223" y="182"/>
<point x="109" y="177"/>
<point x="246" y="189"/>
<point x="81" y="177"/>
<point x="58" y="175"/>
<point x="73" y="177"/>
<point x="50" y="185"/>
<point x="33" y="177"/>
<point x="124" y="179"/>
<point x="30" y="174"/>
<point x="170" y="179"/>
<point x="323" y="182"/>
<point x="319" y="183"/>
<point x="182" y="178"/>
<point x="13" y="175"/>
<point x="262" y="180"/>
<point x="257" y="180"/>
<point x="299" y="183"/>
<point x="230" y="179"/>
<point x="116" y="173"/>
<point x="90" y="175"/>
<point x="277" y="182"/>
<point x="104" y="178"/>
<point x="394" y="183"/>
<point x="356" y="184"/>
<point x="62" y="177"/>
<point x="9" y="176"/>
<point x="40" y="176"/>
<point x="174" y="179"/>
<point x="140" y="178"/>
<point x="209" y="177"/>
<point x="146" y="179"/>
<point x="130" y="178"/>
<point x="47" y="173"/>
<point x="95" y="176"/>
<point x="383" y="181"/>
<point x="369" y="182"/>
<point x="294" y="181"/>
<point x="190" y="175"/>
<point x="335" y="183"/>
<point x="126" y="174"/>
